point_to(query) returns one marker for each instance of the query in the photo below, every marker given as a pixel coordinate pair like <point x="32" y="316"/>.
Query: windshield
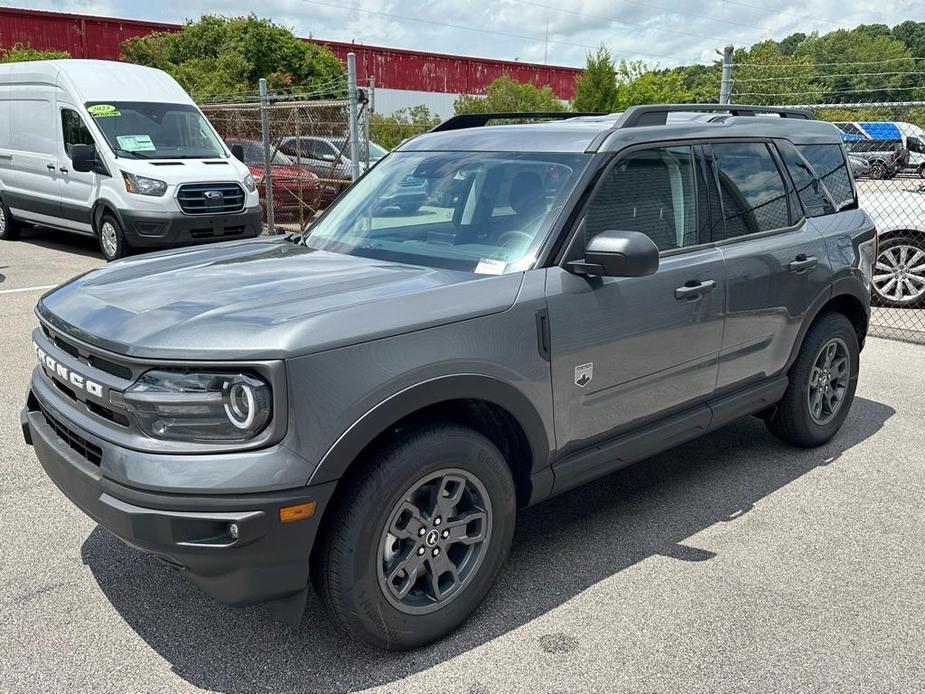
<point x="155" y="131"/>
<point x="473" y="211"/>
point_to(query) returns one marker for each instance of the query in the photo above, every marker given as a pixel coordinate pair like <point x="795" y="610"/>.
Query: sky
<point x="660" y="32"/>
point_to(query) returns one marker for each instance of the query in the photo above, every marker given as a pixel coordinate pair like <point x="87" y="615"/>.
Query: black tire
<point x="9" y="227"/>
<point x="921" y="171"/>
<point x="792" y="420"/>
<point x="899" y="272"/>
<point x="877" y="170"/>
<point x="409" y="207"/>
<point x="350" y="565"/>
<point x="111" y="237"/>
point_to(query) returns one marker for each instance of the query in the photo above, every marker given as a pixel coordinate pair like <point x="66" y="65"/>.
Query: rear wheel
<point x="9" y="229"/>
<point x="877" y="170"/>
<point x="112" y="240"/>
<point x="822" y="383"/>
<point x="413" y="549"/>
<point x="899" y="272"/>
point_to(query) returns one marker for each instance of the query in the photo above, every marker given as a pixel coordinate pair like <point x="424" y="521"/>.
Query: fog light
<point x="233" y="530"/>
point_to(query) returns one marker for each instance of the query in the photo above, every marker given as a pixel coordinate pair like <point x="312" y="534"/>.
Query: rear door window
<point x="828" y="161"/>
<point x="754" y="198"/>
<point x="810" y="189"/>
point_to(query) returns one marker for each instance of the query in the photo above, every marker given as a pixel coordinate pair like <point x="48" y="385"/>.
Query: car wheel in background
<point x="899" y="272"/>
<point x="921" y="170"/>
<point x="420" y="538"/>
<point x="822" y="383"/>
<point x="877" y="170"/>
<point x="112" y="240"/>
<point x="9" y="228"/>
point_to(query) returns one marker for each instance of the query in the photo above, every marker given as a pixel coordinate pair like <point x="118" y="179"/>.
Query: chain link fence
<point x="308" y="146"/>
<point x="886" y="147"/>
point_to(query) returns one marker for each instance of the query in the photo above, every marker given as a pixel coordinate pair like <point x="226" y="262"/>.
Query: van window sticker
<point x="136" y="143"/>
<point x="103" y="111"/>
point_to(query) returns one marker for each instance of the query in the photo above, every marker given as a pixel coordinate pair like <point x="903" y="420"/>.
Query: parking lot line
<point x="27" y="289"/>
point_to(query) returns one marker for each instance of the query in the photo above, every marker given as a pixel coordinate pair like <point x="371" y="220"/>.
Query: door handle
<point x="50" y="167"/>
<point x="62" y="170"/>
<point x="803" y="263"/>
<point x="694" y="289"/>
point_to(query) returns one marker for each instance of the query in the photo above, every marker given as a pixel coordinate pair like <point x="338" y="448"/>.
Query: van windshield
<point x="480" y="212"/>
<point x="144" y="130"/>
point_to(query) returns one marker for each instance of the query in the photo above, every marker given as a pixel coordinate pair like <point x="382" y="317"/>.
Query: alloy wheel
<point x="899" y="274"/>
<point x="2" y="220"/>
<point x="828" y="381"/>
<point x="434" y="541"/>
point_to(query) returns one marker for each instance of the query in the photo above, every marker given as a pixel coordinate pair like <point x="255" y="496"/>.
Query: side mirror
<point x="83" y="158"/>
<point x="237" y="151"/>
<point x="615" y="253"/>
<point x="914" y="144"/>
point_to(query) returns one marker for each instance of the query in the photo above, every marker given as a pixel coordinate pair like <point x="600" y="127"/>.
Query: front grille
<point x="88" y="451"/>
<point x="193" y="198"/>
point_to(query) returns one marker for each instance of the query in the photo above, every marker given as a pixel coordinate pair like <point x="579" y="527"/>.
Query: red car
<point x="296" y="190"/>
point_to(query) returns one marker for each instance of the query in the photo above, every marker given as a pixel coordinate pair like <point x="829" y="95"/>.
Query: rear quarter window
<point x="828" y="161"/>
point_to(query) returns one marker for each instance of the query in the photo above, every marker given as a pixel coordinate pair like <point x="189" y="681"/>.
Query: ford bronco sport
<point x="366" y="406"/>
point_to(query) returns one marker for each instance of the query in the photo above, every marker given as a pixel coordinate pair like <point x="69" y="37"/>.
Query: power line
<point x="830" y="91"/>
<point x="494" y="32"/>
<point x="791" y="65"/>
<point x="779" y="12"/>
<point x="825" y="76"/>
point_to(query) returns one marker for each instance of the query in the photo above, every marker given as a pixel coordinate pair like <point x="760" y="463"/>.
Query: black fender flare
<point x="361" y="433"/>
<point x="101" y="206"/>
<point x="846" y="285"/>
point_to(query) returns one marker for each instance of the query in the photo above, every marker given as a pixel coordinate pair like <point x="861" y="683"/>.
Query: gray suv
<point x="365" y="406"/>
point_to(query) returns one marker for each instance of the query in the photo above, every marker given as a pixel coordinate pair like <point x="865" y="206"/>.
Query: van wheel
<point x="9" y="228"/>
<point x="822" y="383"/>
<point x="112" y="240"/>
<point x="415" y="546"/>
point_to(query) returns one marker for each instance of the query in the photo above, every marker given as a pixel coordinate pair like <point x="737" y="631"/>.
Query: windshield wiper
<point x="134" y="153"/>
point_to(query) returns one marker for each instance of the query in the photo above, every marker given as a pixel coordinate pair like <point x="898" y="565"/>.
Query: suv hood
<point x="262" y="299"/>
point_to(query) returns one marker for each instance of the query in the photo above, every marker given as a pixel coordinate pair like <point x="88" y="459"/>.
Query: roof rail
<point x="638" y="116"/>
<point x="477" y="120"/>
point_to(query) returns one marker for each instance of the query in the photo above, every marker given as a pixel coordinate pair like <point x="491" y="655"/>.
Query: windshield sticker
<point x="103" y="111"/>
<point x="135" y="143"/>
<point x="488" y="266"/>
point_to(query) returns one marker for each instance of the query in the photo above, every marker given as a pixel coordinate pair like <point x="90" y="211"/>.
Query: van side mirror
<point x="83" y="158"/>
<point x="237" y="151"/>
<point x="615" y="253"/>
<point x="914" y="144"/>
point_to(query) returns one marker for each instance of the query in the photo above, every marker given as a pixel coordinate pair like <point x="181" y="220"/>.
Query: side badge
<point x="583" y="374"/>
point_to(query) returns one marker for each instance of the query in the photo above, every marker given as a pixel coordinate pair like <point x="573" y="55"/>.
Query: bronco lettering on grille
<point x="63" y="373"/>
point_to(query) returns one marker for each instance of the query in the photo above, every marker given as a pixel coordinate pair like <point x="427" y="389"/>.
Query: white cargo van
<point x="116" y="151"/>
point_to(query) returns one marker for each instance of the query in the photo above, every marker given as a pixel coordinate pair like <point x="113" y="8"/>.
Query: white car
<point x="899" y="272"/>
<point x="119" y="152"/>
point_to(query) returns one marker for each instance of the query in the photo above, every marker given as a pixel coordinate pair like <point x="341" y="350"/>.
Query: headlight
<point x="142" y="185"/>
<point x="183" y="406"/>
<point x="250" y="184"/>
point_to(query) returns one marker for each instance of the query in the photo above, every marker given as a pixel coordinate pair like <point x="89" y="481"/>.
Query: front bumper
<point x="146" y="229"/>
<point x="268" y="560"/>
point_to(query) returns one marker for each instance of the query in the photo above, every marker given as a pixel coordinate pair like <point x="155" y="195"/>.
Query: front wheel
<point x="822" y="383"/>
<point x="416" y="544"/>
<point x="112" y="240"/>
<point x="877" y="170"/>
<point x="9" y="229"/>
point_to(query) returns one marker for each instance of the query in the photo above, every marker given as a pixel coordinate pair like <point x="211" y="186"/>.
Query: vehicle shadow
<point x="61" y="241"/>
<point x="561" y="548"/>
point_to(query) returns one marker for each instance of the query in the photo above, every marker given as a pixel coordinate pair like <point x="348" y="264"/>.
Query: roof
<point x="100" y="80"/>
<point x="609" y="132"/>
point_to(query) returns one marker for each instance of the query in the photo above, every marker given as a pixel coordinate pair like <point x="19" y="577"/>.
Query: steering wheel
<point x="512" y="238"/>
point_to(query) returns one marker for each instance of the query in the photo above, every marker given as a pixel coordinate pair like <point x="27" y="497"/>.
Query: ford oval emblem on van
<point x="213" y="195"/>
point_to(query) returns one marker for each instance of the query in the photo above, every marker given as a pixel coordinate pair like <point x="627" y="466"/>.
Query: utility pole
<point x="267" y="157"/>
<point x="352" y="100"/>
<point x="725" y="87"/>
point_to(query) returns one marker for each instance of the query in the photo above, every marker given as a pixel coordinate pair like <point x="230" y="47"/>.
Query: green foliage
<point x="218" y="56"/>
<point x="21" y="53"/>
<point x="389" y="130"/>
<point x="504" y="95"/>
<point x="596" y="87"/>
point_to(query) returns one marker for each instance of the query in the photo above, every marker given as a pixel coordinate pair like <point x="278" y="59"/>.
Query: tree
<point x="596" y="87"/>
<point x="21" y="53"/>
<point x="219" y="56"/>
<point x="790" y="43"/>
<point x="913" y="35"/>
<point x="389" y="130"/>
<point x="504" y="95"/>
<point x="765" y="74"/>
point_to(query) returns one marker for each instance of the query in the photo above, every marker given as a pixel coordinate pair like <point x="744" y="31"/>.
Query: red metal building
<point x="85" y="36"/>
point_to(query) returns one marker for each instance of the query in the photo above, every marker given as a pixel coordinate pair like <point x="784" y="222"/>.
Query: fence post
<point x="352" y="97"/>
<point x="267" y="157"/>
<point x="370" y="109"/>
<point x="725" y="87"/>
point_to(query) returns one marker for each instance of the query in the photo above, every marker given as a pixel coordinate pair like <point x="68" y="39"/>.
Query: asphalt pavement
<point x="730" y="564"/>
